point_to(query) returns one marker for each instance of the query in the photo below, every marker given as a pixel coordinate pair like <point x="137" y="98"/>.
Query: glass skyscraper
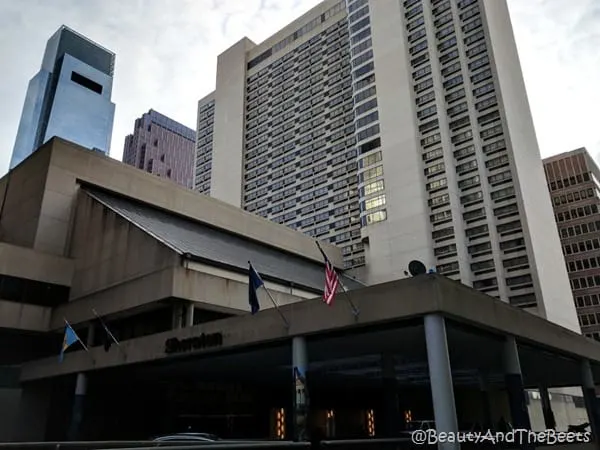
<point x="70" y="97"/>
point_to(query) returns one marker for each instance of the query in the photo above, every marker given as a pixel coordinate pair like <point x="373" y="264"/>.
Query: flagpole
<point x="262" y="283"/>
<point x="287" y="324"/>
<point x="355" y="310"/>
<point x="76" y="335"/>
<point x="105" y="327"/>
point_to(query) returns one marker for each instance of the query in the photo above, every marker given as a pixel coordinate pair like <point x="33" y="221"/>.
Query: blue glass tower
<point x="70" y="97"/>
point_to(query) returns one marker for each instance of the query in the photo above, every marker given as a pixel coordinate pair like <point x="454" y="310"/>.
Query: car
<point x="188" y="437"/>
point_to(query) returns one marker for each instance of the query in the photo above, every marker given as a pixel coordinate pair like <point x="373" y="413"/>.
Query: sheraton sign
<point x="175" y="345"/>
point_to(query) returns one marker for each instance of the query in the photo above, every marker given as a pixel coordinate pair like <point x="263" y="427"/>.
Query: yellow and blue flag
<point x="69" y="339"/>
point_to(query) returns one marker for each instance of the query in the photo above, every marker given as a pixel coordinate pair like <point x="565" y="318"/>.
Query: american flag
<point x="331" y="282"/>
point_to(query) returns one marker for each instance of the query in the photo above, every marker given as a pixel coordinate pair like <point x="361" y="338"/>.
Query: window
<point x="371" y="173"/>
<point x="438" y="201"/>
<point x="434" y="170"/>
<point x="86" y="83"/>
<point x="370" y="159"/>
<point x="441" y="217"/>
<point x="372" y="188"/>
<point x="375" y="217"/>
<point x="373" y="203"/>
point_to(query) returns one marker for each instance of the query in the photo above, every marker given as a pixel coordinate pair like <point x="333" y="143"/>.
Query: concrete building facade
<point x="167" y="269"/>
<point x="398" y="131"/>
<point x="70" y="97"/>
<point x="573" y="181"/>
<point x="204" y="135"/>
<point x="163" y="147"/>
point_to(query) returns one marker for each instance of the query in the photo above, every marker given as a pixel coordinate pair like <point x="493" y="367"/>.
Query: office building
<point x="167" y="270"/>
<point x="398" y="131"/>
<point x="163" y="147"/>
<point x="573" y="180"/>
<point x="70" y="97"/>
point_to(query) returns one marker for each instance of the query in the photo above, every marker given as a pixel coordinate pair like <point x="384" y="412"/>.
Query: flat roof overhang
<point x="389" y="321"/>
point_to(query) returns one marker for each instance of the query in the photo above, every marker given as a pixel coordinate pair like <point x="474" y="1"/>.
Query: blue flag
<point x="69" y="339"/>
<point x="254" y="282"/>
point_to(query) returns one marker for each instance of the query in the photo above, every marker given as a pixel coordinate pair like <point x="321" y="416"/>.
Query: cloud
<point x="558" y="45"/>
<point x="167" y="52"/>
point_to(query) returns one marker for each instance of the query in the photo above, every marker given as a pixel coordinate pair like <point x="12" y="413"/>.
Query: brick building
<point x="575" y="190"/>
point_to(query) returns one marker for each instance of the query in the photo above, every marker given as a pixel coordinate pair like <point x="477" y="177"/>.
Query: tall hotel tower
<point x="70" y="97"/>
<point x="399" y="131"/>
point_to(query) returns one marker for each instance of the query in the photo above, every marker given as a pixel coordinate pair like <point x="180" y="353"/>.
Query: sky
<point x="167" y="52"/>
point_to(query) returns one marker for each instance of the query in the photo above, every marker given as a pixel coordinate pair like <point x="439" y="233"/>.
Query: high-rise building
<point x="204" y="127"/>
<point x="399" y="131"/>
<point x="574" y="184"/>
<point x="70" y="97"/>
<point x="163" y="147"/>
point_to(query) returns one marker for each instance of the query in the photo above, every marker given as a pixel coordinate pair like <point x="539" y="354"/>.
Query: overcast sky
<point x="167" y="49"/>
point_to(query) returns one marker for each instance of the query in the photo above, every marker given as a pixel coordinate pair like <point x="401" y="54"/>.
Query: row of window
<point x="586" y="320"/>
<point x="576" y="213"/>
<point x="334" y="10"/>
<point x="570" y="181"/>
<point x="582" y="301"/>
<point x="583" y="264"/>
<point x="577" y="230"/>
<point x="573" y="197"/>
<point x="585" y="282"/>
<point x="581" y="247"/>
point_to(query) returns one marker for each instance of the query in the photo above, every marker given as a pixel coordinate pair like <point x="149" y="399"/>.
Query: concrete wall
<point x="549" y="272"/>
<point x="108" y="250"/>
<point x="406" y="234"/>
<point x="70" y="163"/>
<point x="21" y="194"/>
<point x="229" y="126"/>
<point x="21" y="316"/>
<point x="228" y="292"/>
<point x="27" y="263"/>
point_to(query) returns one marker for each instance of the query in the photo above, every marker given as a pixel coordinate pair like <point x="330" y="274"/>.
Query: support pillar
<point x="391" y="412"/>
<point x="549" y="420"/>
<point x="189" y="315"/>
<point x="177" y="316"/>
<point x="589" y="396"/>
<point x="78" y="403"/>
<point x="514" y="385"/>
<point x="440" y="378"/>
<point x="301" y="400"/>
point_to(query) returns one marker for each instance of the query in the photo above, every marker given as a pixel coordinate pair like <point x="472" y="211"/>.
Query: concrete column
<point x="589" y="396"/>
<point x="177" y="316"/>
<point x="189" y="316"/>
<point x="78" y="403"/>
<point x="440" y="378"/>
<point x="301" y="400"/>
<point x="391" y="415"/>
<point x="514" y="385"/>
<point x="549" y="420"/>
